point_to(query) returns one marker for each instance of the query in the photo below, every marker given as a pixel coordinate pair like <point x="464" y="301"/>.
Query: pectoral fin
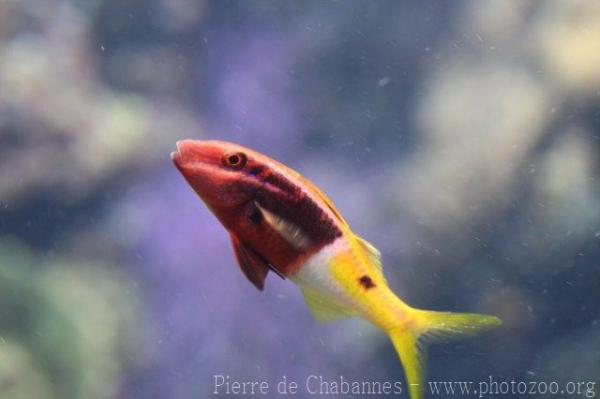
<point x="252" y="264"/>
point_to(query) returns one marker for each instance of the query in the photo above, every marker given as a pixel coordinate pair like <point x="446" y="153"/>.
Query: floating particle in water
<point x="383" y="81"/>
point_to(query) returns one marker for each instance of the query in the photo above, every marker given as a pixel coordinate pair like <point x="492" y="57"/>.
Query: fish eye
<point x="236" y="160"/>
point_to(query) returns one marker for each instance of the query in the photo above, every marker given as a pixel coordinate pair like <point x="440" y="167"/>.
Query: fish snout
<point x="196" y="154"/>
<point x="188" y="152"/>
<point x="179" y="155"/>
<point x="175" y="155"/>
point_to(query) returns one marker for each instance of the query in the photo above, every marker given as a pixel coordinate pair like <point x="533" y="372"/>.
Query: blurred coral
<point x="69" y="327"/>
<point x="61" y="125"/>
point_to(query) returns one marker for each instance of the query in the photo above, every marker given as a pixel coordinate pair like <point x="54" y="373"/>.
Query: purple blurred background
<point x="461" y="138"/>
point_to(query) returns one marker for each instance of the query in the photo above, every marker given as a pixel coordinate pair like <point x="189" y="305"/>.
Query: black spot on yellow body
<point x="366" y="282"/>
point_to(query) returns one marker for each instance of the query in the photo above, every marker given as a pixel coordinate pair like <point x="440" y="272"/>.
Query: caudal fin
<point x="422" y="326"/>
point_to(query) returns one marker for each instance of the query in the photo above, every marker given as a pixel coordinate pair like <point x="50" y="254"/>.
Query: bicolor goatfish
<point x="281" y="222"/>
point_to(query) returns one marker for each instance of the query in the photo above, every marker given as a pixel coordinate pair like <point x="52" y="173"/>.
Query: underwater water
<point x="461" y="138"/>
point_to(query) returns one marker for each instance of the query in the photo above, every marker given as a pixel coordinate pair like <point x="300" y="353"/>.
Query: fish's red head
<point x="276" y="218"/>
<point x="223" y="174"/>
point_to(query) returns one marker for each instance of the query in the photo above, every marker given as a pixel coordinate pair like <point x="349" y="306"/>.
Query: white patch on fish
<point x="316" y="275"/>
<point x="288" y="230"/>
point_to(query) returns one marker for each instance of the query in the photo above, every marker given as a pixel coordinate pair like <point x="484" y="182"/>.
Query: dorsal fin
<point x="324" y="309"/>
<point x="372" y="252"/>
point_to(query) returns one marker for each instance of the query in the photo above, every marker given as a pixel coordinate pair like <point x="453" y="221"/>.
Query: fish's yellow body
<point x="345" y="279"/>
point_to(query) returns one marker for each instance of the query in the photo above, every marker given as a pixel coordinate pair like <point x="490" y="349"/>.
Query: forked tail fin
<point x="422" y="326"/>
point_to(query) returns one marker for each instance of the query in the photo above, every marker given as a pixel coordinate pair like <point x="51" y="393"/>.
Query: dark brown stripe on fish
<point x="293" y="204"/>
<point x="269" y="176"/>
<point x="256" y="169"/>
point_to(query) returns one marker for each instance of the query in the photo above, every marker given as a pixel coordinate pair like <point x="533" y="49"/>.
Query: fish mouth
<point x="176" y="155"/>
<point x="195" y="153"/>
<point x="187" y="152"/>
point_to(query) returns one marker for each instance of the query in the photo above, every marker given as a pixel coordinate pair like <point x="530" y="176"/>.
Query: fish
<point x="280" y="222"/>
